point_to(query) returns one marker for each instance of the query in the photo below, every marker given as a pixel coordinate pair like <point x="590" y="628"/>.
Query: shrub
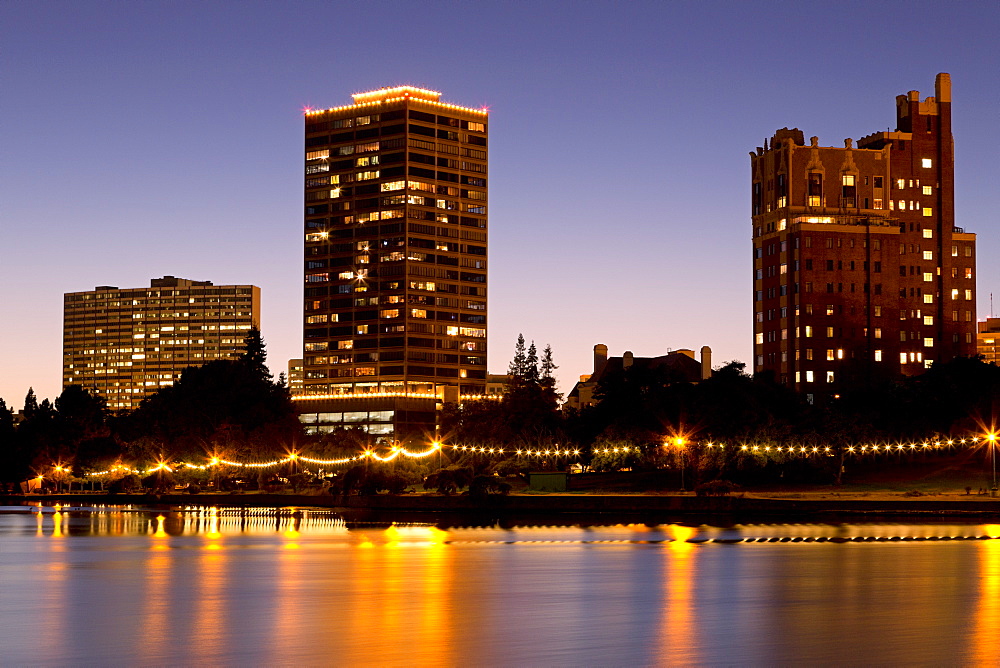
<point x="716" y="488"/>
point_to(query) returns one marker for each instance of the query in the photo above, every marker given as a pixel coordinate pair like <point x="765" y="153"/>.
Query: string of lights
<point x="679" y="442"/>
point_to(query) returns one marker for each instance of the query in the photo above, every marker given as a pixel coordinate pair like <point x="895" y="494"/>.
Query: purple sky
<point x="149" y="138"/>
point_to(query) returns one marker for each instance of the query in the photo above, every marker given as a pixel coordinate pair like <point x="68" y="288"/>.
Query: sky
<point x="141" y="139"/>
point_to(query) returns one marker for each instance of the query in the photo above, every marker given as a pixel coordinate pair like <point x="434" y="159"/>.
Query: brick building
<point x="859" y="269"/>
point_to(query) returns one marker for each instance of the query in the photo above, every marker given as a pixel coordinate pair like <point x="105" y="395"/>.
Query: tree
<point x="224" y="405"/>
<point x="255" y="355"/>
<point x="30" y="403"/>
<point x="12" y="466"/>
<point x="547" y="367"/>
<point x="516" y="368"/>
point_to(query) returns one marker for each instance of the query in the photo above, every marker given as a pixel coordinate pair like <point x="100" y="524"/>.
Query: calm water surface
<point x="132" y="586"/>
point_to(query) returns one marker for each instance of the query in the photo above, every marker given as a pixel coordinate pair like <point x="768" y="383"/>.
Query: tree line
<point x="236" y="407"/>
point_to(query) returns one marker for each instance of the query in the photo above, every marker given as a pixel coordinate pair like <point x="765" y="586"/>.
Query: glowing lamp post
<point x="679" y="442"/>
<point x="992" y="438"/>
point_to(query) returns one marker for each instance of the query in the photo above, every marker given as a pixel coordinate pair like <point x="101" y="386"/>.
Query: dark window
<point x="421" y="116"/>
<point x="421" y="130"/>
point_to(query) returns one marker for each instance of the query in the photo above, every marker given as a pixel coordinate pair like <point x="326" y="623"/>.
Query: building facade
<point x="859" y="269"/>
<point x="395" y="275"/>
<point x="124" y="344"/>
<point x="988" y="340"/>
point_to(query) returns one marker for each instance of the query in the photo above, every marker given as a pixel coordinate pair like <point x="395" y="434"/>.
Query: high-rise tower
<point x="395" y="249"/>
<point x="858" y="266"/>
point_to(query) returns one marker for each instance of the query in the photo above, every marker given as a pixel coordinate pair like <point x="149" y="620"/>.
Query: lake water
<point x="133" y="586"/>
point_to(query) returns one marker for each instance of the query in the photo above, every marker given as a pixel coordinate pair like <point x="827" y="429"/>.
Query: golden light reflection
<point x="986" y="616"/>
<point x="160" y="531"/>
<point x="213" y="525"/>
<point x="210" y="618"/>
<point x="678" y="627"/>
<point x="157" y="604"/>
<point x="57" y="524"/>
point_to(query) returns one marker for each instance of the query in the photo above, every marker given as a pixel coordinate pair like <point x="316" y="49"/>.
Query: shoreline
<point x="568" y="506"/>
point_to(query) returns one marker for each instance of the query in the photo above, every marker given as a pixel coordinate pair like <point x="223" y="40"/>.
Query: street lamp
<point x="992" y="438"/>
<point x="679" y="442"/>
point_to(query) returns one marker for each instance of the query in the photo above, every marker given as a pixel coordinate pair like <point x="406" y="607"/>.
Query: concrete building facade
<point x="859" y="268"/>
<point x="125" y="343"/>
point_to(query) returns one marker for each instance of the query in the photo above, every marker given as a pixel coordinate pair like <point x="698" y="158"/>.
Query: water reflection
<point x="225" y="586"/>
<point x="679" y="625"/>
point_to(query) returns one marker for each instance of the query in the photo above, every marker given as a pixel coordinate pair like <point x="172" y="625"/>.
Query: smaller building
<point x="126" y="343"/>
<point x="497" y="383"/>
<point x="295" y="376"/>
<point x="682" y="362"/>
<point x="988" y="340"/>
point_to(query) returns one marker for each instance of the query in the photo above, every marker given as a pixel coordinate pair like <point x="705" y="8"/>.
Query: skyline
<point x="180" y="127"/>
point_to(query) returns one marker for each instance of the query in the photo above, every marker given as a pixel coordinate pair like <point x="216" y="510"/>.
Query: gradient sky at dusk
<point x="139" y="139"/>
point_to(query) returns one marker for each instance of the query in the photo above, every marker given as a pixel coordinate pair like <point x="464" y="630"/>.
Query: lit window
<point x="848" y="179"/>
<point x="928" y="211"/>
<point x="878" y="355"/>
<point x="809" y="376"/>
<point x="314" y="319"/>
<point x="760" y="337"/>
<point x="829" y="376"/>
<point x="928" y="255"/>
<point x="345" y="345"/>
<point x="928" y="190"/>
<point x="900" y="183"/>
<point x="928" y="342"/>
<point x="928" y="299"/>
<point x="928" y="320"/>
<point x="878" y="311"/>
<point x="954" y="293"/>
<point x="840" y="353"/>
<point x="968" y="272"/>
<point x="418" y="313"/>
<point x="809" y="332"/>
<point x="926" y="162"/>
<point x="362" y="329"/>
<point x="902" y="358"/>
<point x="829" y="354"/>
<point x="928" y="277"/>
<point x="968" y="294"/>
<point x="389" y="313"/>
<point x="829" y="332"/>
<point x="878" y="332"/>
<point x="878" y="203"/>
<point x="928" y="363"/>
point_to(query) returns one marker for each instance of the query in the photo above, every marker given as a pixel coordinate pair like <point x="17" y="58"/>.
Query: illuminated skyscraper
<point x="395" y="255"/>
<point x="858" y="266"/>
<point x="126" y="343"/>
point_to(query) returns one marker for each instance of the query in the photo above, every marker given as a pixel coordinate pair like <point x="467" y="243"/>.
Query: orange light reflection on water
<point x="678" y="627"/>
<point x="986" y="617"/>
